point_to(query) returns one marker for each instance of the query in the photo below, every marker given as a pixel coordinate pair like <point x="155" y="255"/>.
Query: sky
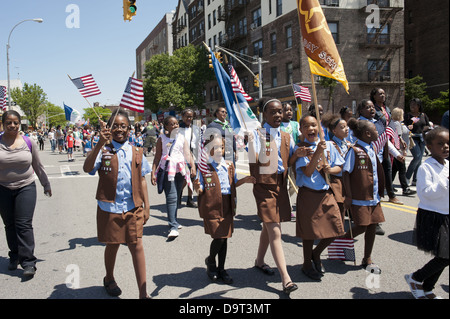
<point x="103" y="44"/>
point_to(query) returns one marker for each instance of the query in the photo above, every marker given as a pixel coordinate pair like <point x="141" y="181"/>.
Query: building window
<point x="274" y="76"/>
<point x="289" y="73"/>
<point x="258" y="48"/>
<point x="288" y="32"/>
<point x="330" y="3"/>
<point x="334" y="28"/>
<point x="379" y="70"/>
<point x="209" y="21"/>
<point x="380" y="3"/>
<point x="378" y="36"/>
<point x="214" y="17"/>
<point x="410" y="46"/>
<point x="243" y="26"/>
<point x="256" y="18"/>
<point x="273" y="43"/>
<point x="279" y="7"/>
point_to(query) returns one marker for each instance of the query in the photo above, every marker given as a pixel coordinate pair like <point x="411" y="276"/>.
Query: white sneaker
<point x="180" y="227"/>
<point x="415" y="287"/>
<point x="173" y="234"/>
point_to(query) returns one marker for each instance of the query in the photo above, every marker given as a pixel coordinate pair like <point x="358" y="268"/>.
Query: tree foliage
<point x="55" y="115"/>
<point x="177" y="80"/>
<point x="93" y="119"/>
<point x="416" y="87"/>
<point x="32" y="101"/>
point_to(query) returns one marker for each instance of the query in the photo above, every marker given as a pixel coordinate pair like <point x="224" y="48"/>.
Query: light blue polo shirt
<point x="275" y="133"/>
<point x="222" y="173"/>
<point x="124" y="197"/>
<point x="316" y="181"/>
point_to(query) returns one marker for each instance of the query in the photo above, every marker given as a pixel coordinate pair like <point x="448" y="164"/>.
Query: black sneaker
<point x="13" y="264"/>
<point x="408" y="192"/>
<point x="29" y="271"/>
<point x="225" y="277"/>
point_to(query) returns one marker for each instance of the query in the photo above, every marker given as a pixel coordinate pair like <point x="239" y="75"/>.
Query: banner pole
<point x="321" y="134"/>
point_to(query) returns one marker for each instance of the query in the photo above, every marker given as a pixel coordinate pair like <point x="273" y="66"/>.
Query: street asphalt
<point x="70" y="259"/>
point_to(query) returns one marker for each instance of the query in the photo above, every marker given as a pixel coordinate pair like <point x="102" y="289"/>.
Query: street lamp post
<point x="39" y="20"/>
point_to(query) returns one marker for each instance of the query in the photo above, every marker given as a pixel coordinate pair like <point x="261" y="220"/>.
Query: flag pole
<point x="321" y="134"/>
<point x="347" y="213"/>
<point x="99" y="117"/>
<point x="117" y="111"/>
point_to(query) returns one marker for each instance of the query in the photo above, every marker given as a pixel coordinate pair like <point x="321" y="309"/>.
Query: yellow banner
<point x="323" y="56"/>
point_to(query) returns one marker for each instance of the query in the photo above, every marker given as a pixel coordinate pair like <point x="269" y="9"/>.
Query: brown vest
<point x="265" y="170"/>
<point x="108" y="173"/>
<point x="361" y="179"/>
<point x="210" y="200"/>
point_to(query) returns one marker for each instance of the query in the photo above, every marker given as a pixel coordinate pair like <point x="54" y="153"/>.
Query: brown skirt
<point x="367" y="215"/>
<point x="318" y="215"/>
<point x="221" y="227"/>
<point x="123" y="228"/>
<point x="273" y="201"/>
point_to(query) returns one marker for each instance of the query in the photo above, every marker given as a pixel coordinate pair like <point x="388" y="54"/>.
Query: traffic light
<point x="210" y="61"/>
<point x="129" y="9"/>
<point x="219" y="57"/>
<point x="256" y="81"/>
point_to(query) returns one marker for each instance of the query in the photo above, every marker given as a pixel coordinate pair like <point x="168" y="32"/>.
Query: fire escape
<point x="382" y="38"/>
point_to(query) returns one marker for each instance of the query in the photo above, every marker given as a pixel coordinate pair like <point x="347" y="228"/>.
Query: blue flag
<point x="71" y="114"/>
<point x="240" y="114"/>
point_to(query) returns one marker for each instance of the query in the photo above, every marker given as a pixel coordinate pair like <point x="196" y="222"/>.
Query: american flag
<point x="86" y="85"/>
<point x="342" y="249"/>
<point x="3" y="98"/>
<point x="133" y="97"/>
<point x="236" y="83"/>
<point x="301" y="92"/>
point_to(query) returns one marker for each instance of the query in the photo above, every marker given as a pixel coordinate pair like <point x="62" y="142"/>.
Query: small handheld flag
<point x="342" y="249"/>
<point x="301" y="92"/>
<point x="133" y="96"/>
<point x="236" y="83"/>
<point x="86" y="85"/>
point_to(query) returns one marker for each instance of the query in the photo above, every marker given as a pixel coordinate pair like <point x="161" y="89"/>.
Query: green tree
<point x="55" y="115"/>
<point x="416" y="87"/>
<point x="331" y="85"/>
<point x="92" y="116"/>
<point x="178" y="80"/>
<point x="31" y="100"/>
<point x="440" y="105"/>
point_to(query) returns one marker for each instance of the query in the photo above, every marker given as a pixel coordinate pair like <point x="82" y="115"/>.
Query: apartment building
<point x="368" y="33"/>
<point x="158" y="41"/>
<point x="426" y="43"/>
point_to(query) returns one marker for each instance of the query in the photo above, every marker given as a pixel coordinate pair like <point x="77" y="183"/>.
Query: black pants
<point x="430" y="273"/>
<point x="400" y="167"/>
<point x="17" y="210"/>
<point x="387" y="167"/>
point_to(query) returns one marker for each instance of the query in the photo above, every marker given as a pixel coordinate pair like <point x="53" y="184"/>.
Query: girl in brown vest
<point x="318" y="214"/>
<point x="363" y="180"/>
<point x="122" y="196"/>
<point x="270" y="151"/>
<point x="217" y="205"/>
